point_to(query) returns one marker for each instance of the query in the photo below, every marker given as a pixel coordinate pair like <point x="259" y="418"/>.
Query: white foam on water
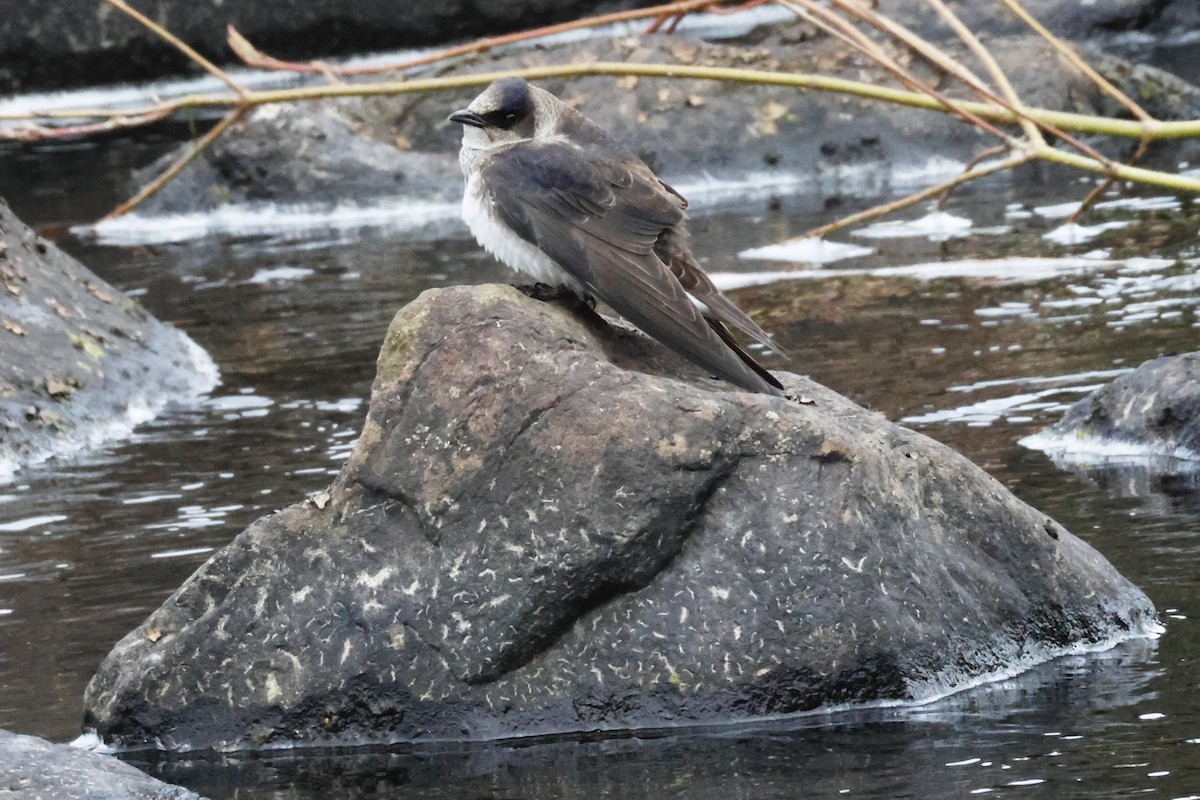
<point x="1088" y="450"/>
<point x="436" y="218"/>
<point x="1072" y="233"/>
<point x="1058" y="210"/>
<point x="985" y="412"/>
<point x="279" y="275"/>
<point x="182" y="553"/>
<point x="18" y="525"/>
<point x="807" y="251"/>
<point x="1166" y="202"/>
<point x="405" y="215"/>
<point x="1009" y="309"/>
<point x="1006" y="270"/>
<point x="937" y="226"/>
<point x="1036" y="380"/>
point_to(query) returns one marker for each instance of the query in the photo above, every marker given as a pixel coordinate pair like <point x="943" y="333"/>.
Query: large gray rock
<point x="84" y="42"/>
<point x="548" y="525"/>
<point x="80" y="362"/>
<point x="1156" y="408"/>
<point x="34" y="769"/>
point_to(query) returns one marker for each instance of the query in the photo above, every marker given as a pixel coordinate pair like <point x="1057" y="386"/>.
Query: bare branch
<point x="180" y="45"/>
<point x="168" y="175"/>
<point x="916" y="197"/>
<point x="255" y="58"/>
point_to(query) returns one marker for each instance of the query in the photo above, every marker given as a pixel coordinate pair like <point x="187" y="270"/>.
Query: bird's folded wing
<point x="600" y="219"/>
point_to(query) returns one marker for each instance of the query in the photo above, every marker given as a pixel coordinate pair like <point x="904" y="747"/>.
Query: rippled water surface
<point x="975" y="356"/>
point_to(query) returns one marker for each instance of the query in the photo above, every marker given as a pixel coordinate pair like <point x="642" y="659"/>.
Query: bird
<point x="551" y="195"/>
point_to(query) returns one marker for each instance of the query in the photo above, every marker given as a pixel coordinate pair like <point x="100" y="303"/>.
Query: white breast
<point x="509" y="248"/>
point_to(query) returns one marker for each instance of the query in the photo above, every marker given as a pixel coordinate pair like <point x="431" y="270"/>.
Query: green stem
<point x="1083" y="123"/>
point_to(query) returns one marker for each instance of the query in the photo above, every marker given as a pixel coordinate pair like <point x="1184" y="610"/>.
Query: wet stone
<point x="33" y="769"/>
<point x="553" y="525"/>
<point x="79" y="361"/>
<point x="1156" y="405"/>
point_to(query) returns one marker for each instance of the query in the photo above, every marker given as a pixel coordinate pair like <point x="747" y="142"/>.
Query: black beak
<point x="466" y="117"/>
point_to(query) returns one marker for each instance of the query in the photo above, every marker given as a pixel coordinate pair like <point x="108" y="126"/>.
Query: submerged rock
<point x="1153" y="410"/>
<point x="79" y="361"/>
<point x="305" y="156"/>
<point x="32" y="768"/>
<point x="549" y="525"/>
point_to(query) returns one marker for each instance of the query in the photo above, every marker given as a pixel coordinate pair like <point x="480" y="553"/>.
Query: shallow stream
<point x="977" y="355"/>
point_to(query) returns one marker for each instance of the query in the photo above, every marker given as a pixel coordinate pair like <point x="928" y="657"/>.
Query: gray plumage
<point x="551" y="195"/>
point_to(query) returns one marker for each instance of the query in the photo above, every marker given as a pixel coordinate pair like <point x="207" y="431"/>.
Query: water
<point x="294" y="319"/>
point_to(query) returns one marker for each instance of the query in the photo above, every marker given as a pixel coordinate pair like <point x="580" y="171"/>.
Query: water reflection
<point x="1039" y="727"/>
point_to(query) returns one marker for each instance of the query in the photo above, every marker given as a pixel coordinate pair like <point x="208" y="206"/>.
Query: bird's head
<point x="506" y="112"/>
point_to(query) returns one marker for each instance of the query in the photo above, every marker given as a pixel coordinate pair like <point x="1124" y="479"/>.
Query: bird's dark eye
<point x="504" y="118"/>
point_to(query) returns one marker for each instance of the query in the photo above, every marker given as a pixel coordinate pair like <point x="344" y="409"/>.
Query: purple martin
<point x="552" y="196"/>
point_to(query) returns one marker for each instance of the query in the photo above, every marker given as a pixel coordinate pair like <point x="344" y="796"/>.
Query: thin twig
<point x="976" y="160"/>
<point x="255" y="58"/>
<point x="1062" y="120"/>
<point x="39" y="133"/>
<point x="985" y="57"/>
<point x="1068" y="52"/>
<point x="843" y="30"/>
<point x="179" y="44"/>
<point x="1102" y="187"/>
<point x="940" y="58"/>
<point x="714" y="7"/>
<point x="1104" y="85"/>
<point x="156" y="185"/>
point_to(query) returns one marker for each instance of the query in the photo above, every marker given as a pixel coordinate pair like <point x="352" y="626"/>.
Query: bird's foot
<point x="545" y="292"/>
<point x="795" y="396"/>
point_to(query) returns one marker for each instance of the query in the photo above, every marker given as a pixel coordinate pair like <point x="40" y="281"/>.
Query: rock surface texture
<point x="79" y="361"/>
<point x="552" y="525"/>
<point x="34" y="769"/>
<point x="1156" y="406"/>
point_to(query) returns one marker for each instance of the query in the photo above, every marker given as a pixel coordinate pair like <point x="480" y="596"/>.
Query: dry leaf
<point x="627" y="82"/>
<point x="154" y="634"/>
<point x="47" y="417"/>
<point x="60" y="389"/>
<point x="60" y="309"/>
<point x="98" y="293"/>
<point x="685" y="52"/>
<point x="695" y="100"/>
<point x="772" y="110"/>
<point x="12" y="328"/>
<point x="247" y="52"/>
<point x="319" y="499"/>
